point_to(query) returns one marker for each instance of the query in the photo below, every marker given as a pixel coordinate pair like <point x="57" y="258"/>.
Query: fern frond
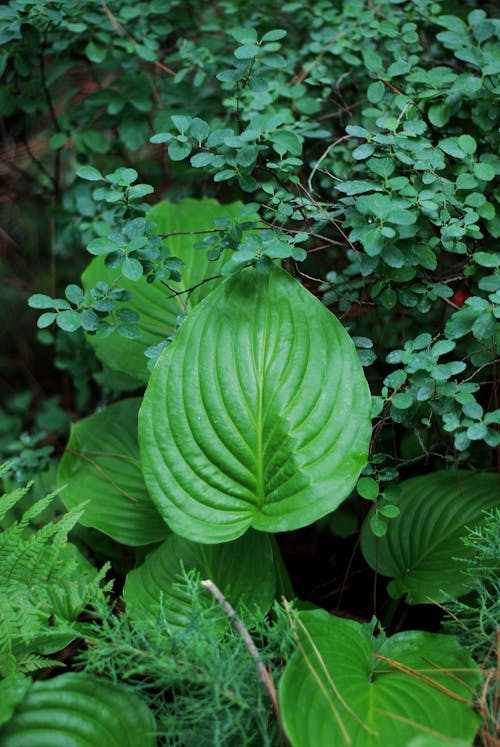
<point x="9" y="500"/>
<point x="33" y="662"/>
<point x="46" y="583"/>
<point x="38" y="507"/>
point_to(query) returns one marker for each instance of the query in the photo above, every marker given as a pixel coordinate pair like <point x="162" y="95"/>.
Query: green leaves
<point x="89" y="173"/>
<point x="344" y="686"/>
<point x="101" y="466"/>
<point x="242" y="569"/>
<point x="12" y="690"/>
<point x="422" y="549"/>
<point x="78" y="710"/>
<point x="156" y="306"/>
<point x="257" y="415"/>
<point x="46" y="584"/>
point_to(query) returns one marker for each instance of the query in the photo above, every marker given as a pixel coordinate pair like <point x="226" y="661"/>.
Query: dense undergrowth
<point x="261" y="247"/>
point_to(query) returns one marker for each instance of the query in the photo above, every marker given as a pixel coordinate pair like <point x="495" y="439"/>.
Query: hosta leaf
<point x="78" y="710"/>
<point x="242" y="569"/>
<point x="12" y="691"/>
<point x="256" y="415"/>
<point x="429" y="740"/>
<point x="101" y="465"/>
<point x="422" y="550"/>
<point x="158" y="312"/>
<point x="345" y="687"/>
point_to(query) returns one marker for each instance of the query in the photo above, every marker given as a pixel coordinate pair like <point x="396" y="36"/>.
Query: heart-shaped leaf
<point x="345" y="687"/>
<point x="78" y="710"/>
<point x="422" y="550"/>
<point x="154" y="303"/>
<point x="242" y="569"/>
<point x="256" y="415"/>
<point x="101" y="466"/>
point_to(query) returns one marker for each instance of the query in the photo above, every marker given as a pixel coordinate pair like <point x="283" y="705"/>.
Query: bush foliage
<point x="192" y="150"/>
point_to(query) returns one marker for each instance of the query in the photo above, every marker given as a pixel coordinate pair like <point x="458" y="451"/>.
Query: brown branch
<point x="190" y="233"/>
<point x="329" y="680"/>
<point x="103" y="473"/>
<point x="264" y="675"/>
<point x="121" y="31"/>
<point x="193" y="287"/>
<point x="419" y="675"/>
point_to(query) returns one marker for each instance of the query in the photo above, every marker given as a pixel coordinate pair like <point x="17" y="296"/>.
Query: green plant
<point x="474" y="620"/>
<point x="357" y="150"/>
<point x="218" y="697"/>
<point x="76" y="709"/>
<point x="223" y="425"/>
<point x="344" y="682"/>
<point x="46" y="583"/>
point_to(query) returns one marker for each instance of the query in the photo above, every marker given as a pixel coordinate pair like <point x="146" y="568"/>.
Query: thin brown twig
<point x="300" y="77"/>
<point x="252" y="649"/>
<point x="419" y="675"/>
<point x="193" y="287"/>
<point x="322" y="158"/>
<point x="419" y="726"/>
<point x="99" y="469"/>
<point x="122" y="32"/>
<point x="329" y="680"/>
<point x="190" y="233"/>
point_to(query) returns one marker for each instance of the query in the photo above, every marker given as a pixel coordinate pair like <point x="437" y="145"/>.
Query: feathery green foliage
<point x="475" y="620"/>
<point x="46" y="583"/>
<point x="202" y="685"/>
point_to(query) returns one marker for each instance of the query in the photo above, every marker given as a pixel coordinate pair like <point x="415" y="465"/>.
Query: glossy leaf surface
<point x="344" y="687"/>
<point x="422" y="550"/>
<point x="101" y="465"/>
<point x="256" y="415"/>
<point x="12" y="690"/>
<point x="242" y="569"/>
<point x="78" y="710"/>
<point x="158" y="312"/>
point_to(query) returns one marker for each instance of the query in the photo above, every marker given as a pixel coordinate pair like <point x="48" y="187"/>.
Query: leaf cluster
<point x="201" y="683"/>
<point x="46" y="584"/>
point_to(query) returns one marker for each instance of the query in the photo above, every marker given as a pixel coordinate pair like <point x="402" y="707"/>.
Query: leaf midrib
<point x="260" y="491"/>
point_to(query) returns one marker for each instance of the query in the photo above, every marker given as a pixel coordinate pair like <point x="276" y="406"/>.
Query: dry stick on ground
<point x="252" y="649"/>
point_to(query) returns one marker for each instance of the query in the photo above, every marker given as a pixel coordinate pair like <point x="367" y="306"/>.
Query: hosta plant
<point x="298" y="347"/>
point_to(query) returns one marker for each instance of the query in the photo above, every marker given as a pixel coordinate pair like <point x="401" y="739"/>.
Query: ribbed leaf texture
<point x="345" y="687"/>
<point x="101" y="466"/>
<point x="12" y="690"/>
<point x="78" y="710"/>
<point x="422" y="550"/>
<point x="242" y="569"/>
<point x="158" y="312"/>
<point x="256" y="415"/>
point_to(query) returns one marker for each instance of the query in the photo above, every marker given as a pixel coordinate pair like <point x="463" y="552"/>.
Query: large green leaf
<point x="78" y="710"/>
<point x="157" y="311"/>
<point x="242" y="569"/>
<point x="257" y="414"/>
<point x="344" y="687"/>
<point x="101" y="466"/>
<point x="422" y="550"/>
<point x="12" y="690"/>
